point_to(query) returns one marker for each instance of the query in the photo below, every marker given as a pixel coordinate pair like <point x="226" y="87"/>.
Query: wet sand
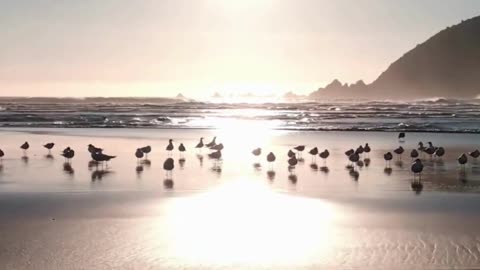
<point x="239" y="215"/>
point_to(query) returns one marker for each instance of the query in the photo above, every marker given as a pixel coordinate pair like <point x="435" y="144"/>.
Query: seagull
<point x="271" y="158"/>
<point x="218" y="147"/>
<point x="440" y="152"/>
<point x="462" y="160"/>
<point x="92" y="149"/>
<point x="168" y="166"/>
<point x="388" y="157"/>
<point x="257" y="152"/>
<point x="475" y="154"/>
<point x="314" y="153"/>
<point x="399" y="151"/>
<point x="49" y="146"/>
<point x="170" y="146"/>
<point x="181" y="148"/>
<point x="139" y="154"/>
<point x="367" y="149"/>
<point x="324" y="155"/>
<point x="146" y="150"/>
<point x="401" y="136"/>
<point x="200" y="144"/>
<point x="299" y="149"/>
<point x="25" y="147"/>
<point x="290" y="153"/>
<point x="212" y="143"/>
<point x="414" y="154"/>
<point x="68" y="153"/>
<point x="417" y="168"/>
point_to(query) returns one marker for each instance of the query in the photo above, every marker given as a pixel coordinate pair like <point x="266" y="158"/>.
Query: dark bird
<point x="100" y="157"/>
<point x="139" y="154"/>
<point x="146" y="150"/>
<point x="349" y="152"/>
<point x="200" y="143"/>
<point x="290" y="153"/>
<point x="421" y="147"/>
<point x="401" y="136"/>
<point x="359" y="150"/>
<point x="462" y="160"/>
<point x="25" y="146"/>
<point x="430" y="150"/>
<point x="414" y="154"/>
<point x="324" y="155"/>
<point x="388" y="157"/>
<point x="2" y="154"/>
<point x="257" y="152"/>
<point x="92" y="149"/>
<point x="417" y="168"/>
<point x="399" y="151"/>
<point x="475" y="154"/>
<point x="212" y="143"/>
<point x="169" y="147"/>
<point x="168" y="166"/>
<point x="68" y="153"/>
<point x="271" y="157"/>
<point x="366" y="148"/>
<point x="292" y="162"/>
<point x="49" y="146"/>
<point x="440" y="152"/>
<point x="299" y="149"/>
<point x="218" y="147"/>
<point x="215" y="155"/>
<point x="354" y="158"/>
<point x="181" y="148"/>
<point x="314" y="153"/>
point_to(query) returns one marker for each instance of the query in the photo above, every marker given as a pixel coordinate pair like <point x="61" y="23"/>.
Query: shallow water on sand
<point x="237" y="214"/>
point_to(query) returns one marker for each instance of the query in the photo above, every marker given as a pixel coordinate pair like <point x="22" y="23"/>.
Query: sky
<point x="198" y="47"/>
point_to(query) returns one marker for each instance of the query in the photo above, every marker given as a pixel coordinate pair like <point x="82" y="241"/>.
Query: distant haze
<point x="162" y="48"/>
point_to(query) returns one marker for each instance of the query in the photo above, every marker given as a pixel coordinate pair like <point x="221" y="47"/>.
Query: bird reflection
<point x="92" y="164"/>
<point x="257" y="166"/>
<point x="399" y="163"/>
<point x="146" y="162"/>
<point x="417" y="186"/>
<point x="354" y="174"/>
<point x="388" y="171"/>
<point x="1" y="167"/>
<point x="217" y="169"/>
<point x="324" y="169"/>
<point x="462" y="176"/>
<point x="181" y="162"/>
<point x="301" y="160"/>
<point x="139" y="170"/>
<point x="25" y="159"/>
<point x="49" y="156"/>
<point x="99" y="174"/>
<point x="68" y="169"/>
<point x="293" y="178"/>
<point x="168" y="183"/>
<point x="271" y="175"/>
<point x="360" y="163"/>
<point x="314" y="167"/>
<point x="200" y="159"/>
<point x="367" y="162"/>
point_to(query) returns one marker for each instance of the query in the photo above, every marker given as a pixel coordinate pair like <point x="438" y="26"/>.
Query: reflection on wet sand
<point x="200" y="159"/>
<point x="257" y="166"/>
<point x="181" y="162"/>
<point x="388" y="171"/>
<point x="314" y="167"/>
<point x="49" y="157"/>
<point x="271" y="175"/>
<point x="293" y="179"/>
<point x="99" y="174"/>
<point x="139" y="170"/>
<point x="68" y="169"/>
<point x="25" y="159"/>
<point x="146" y="162"/>
<point x="324" y="169"/>
<point x="168" y="183"/>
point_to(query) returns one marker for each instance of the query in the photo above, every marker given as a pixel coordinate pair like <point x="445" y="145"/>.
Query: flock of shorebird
<point x="294" y="155"/>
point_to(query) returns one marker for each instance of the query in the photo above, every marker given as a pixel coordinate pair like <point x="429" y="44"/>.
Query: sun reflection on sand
<point x="246" y="222"/>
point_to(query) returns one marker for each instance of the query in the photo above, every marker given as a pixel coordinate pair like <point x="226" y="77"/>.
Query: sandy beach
<point x="239" y="216"/>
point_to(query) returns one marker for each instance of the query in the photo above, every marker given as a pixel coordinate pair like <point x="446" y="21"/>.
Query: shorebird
<point x="439" y="152"/>
<point x="359" y="150"/>
<point x="92" y="149"/>
<point x="139" y="154"/>
<point x="290" y="154"/>
<point x="414" y="154"/>
<point x="200" y="144"/>
<point x="349" y="152"/>
<point x="2" y="154"/>
<point x="49" y="146"/>
<point x="68" y="153"/>
<point x="216" y="156"/>
<point x="292" y="162"/>
<point x="299" y="149"/>
<point x="430" y="150"/>
<point x="169" y="147"/>
<point x="168" y="166"/>
<point x="100" y="157"/>
<point x="218" y="147"/>
<point x="475" y="154"/>
<point x="25" y="147"/>
<point x="324" y="155"/>
<point x="146" y="150"/>
<point x="388" y="157"/>
<point x="401" y="136"/>
<point x="257" y="152"/>
<point x="399" y="151"/>
<point x="417" y="168"/>
<point x="367" y="149"/>
<point x="182" y="149"/>
<point x="314" y="153"/>
<point x="212" y="143"/>
<point x="462" y="160"/>
<point x="354" y="158"/>
<point x="271" y="158"/>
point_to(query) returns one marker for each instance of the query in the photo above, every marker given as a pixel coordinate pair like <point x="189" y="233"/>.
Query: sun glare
<point x="246" y="222"/>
